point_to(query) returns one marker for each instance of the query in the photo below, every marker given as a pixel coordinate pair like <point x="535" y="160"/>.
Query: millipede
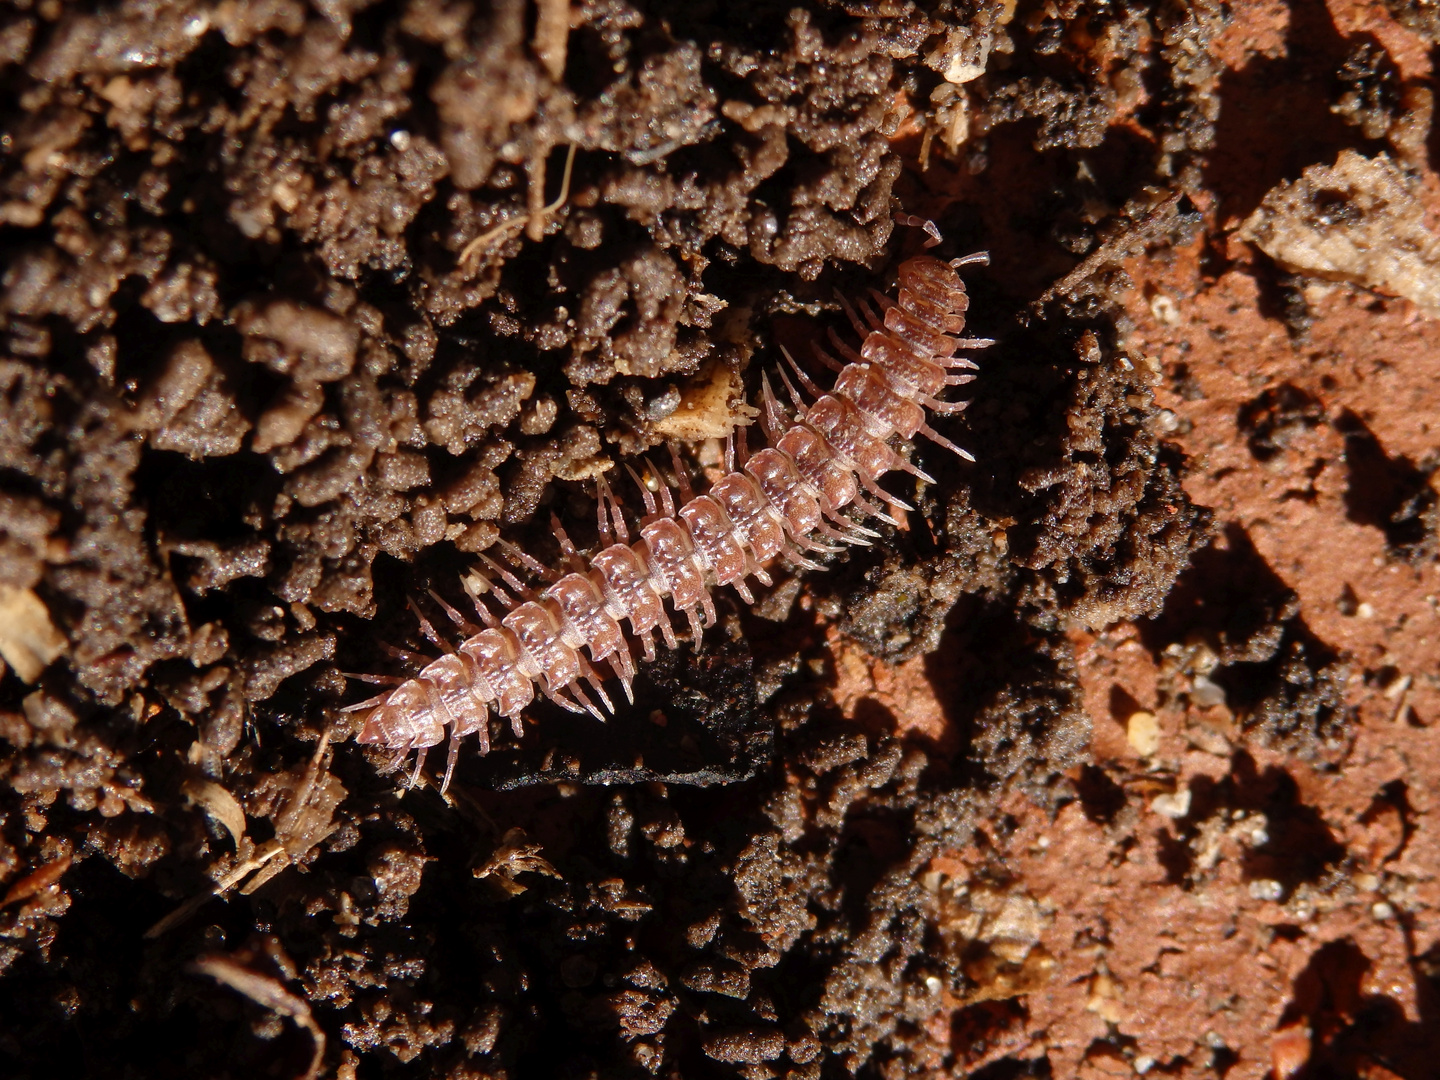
<point x="785" y="502"/>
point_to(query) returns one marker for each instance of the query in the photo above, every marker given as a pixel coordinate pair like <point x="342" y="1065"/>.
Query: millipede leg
<point x="426" y="628"/>
<point x="511" y="581"/>
<point x="790" y="389"/>
<point x="595" y="685"/>
<point x="602" y="518"/>
<point x="854" y="317"/>
<point x="626" y="674"/>
<point x="829" y="361"/>
<point x="458" y="619"/>
<point x="416" y="659"/>
<point x="772" y="417"/>
<point x="792" y="556"/>
<point x="805" y="380"/>
<point x="906" y="465"/>
<point x="567" y="548"/>
<point x="376" y="680"/>
<point x="682" y="477"/>
<point x="590" y="707"/>
<point x="557" y="696"/>
<point x="880" y="493"/>
<point x="645" y="492"/>
<point x="667" y="497"/>
<point x="451" y="757"/>
<point x="826" y="529"/>
<point x="419" y="764"/>
<point x="876" y="323"/>
<point x="865" y="506"/>
<point x="845" y="523"/>
<point x="476" y="585"/>
<point x="948" y="408"/>
<point x="935" y="437"/>
<point x="521" y="558"/>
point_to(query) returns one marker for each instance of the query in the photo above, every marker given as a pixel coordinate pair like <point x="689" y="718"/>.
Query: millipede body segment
<point x="781" y="502"/>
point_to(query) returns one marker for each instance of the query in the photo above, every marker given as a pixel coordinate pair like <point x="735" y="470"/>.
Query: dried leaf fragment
<point x="515" y="855"/>
<point x="28" y="639"/>
<point x="219" y="804"/>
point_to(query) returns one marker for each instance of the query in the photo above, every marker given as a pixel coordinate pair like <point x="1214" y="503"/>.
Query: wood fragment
<point x="28" y="639"/>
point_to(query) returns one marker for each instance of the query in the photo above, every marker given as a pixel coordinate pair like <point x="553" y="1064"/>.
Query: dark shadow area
<point x="1391" y="494"/>
<point x="1174" y="855"/>
<point x="872" y="841"/>
<point x="1352" y="1032"/>
<point x="695" y="720"/>
<point x="1122" y="705"/>
<point x="1010" y="697"/>
<point x="1101" y="797"/>
<point x="1394" y="798"/>
<point x="1278" y="677"/>
<point x="1280" y="296"/>
<point x="1014" y="1069"/>
<point x="978" y="1031"/>
<point x="1434" y="139"/>
<point x="1271" y="420"/>
<point x="1275" y="113"/>
<point x="1297" y="845"/>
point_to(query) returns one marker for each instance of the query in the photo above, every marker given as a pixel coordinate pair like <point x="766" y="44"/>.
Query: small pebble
<point x="1207" y="694"/>
<point x="1175" y="805"/>
<point x="1266" y="889"/>
<point x="1143" y="732"/>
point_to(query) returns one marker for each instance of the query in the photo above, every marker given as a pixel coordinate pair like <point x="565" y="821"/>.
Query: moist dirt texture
<point x="1116" y="757"/>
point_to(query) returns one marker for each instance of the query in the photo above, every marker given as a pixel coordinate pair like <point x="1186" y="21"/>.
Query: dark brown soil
<point x="1115" y="759"/>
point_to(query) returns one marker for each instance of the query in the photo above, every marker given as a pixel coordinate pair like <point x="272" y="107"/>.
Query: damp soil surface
<point x="1114" y="756"/>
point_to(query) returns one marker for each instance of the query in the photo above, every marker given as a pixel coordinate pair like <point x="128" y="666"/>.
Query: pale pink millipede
<point x="778" y="503"/>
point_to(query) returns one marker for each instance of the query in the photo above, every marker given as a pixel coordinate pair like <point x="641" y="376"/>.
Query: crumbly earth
<point x="1114" y="758"/>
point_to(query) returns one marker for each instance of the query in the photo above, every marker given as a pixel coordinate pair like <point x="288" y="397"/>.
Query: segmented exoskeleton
<point x="781" y="502"/>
